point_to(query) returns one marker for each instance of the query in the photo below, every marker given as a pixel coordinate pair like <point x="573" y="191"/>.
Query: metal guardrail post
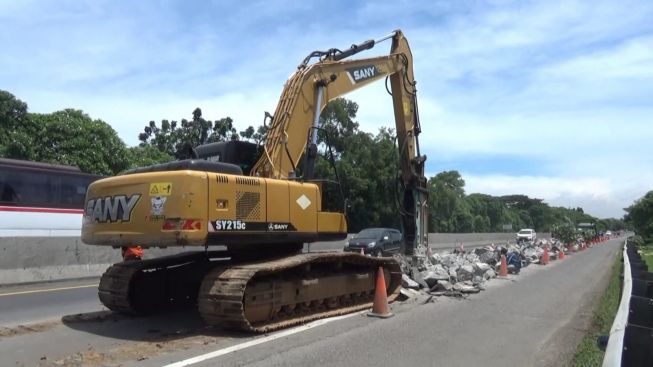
<point x="612" y="357"/>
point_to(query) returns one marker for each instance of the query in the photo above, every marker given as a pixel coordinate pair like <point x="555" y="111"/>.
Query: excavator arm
<point x="293" y="130"/>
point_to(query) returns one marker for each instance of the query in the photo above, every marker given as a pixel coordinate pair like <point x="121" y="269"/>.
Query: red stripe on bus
<point x="40" y="210"/>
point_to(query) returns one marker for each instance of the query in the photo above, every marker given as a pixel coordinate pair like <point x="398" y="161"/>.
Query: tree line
<point x="366" y="165"/>
<point x="639" y="216"/>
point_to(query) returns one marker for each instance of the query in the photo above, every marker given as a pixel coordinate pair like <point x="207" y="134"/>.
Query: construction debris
<point x="406" y="282"/>
<point x="458" y="272"/>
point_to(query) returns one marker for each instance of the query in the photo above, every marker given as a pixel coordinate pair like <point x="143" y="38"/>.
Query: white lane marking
<point x="48" y="290"/>
<point x="265" y="339"/>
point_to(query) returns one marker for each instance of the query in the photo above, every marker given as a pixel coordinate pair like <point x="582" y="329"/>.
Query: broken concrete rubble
<point x="481" y="268"/>
<point x="439" y="272"/>
<point x="416" y="275"/>
<point x="489" y="274"/>
<point x="406" y="282"/>
<point x="457" y="272"/>
<point x="431" y="278"/>
<point x="442" y="285"/>
<point x="465" y="272"/>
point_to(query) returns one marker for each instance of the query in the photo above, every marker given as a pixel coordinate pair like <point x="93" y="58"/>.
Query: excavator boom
<point x="293" y="133"/>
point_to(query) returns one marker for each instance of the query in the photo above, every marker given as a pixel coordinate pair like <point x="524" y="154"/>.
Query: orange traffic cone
<point x="545" y="256"/>
<point x="380" y="308"/>
<point x="503" y="268"/>
<point x="561" y="255"/>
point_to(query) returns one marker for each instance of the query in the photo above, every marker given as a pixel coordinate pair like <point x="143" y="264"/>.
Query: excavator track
<point x="274" y="294"/>
<point x="260" y="296"/>
<point x="143" y="287"/>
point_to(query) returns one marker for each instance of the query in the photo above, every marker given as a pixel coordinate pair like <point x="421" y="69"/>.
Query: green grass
<point x="587" y="353"/>
<point x="647" y="254"/>
<point x="649" y="261"/>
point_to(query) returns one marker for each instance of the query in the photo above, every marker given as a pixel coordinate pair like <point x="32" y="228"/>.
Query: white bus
<point x="41" y="199"/>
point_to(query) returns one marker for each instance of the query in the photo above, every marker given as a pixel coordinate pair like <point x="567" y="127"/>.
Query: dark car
<point x="375" y="241"/>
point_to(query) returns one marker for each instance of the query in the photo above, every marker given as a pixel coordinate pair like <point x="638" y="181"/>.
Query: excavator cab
<point x="241" y="153"/>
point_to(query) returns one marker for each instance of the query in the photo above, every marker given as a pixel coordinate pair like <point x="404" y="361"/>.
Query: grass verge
<point x="587" y="353"/>
<point x="647" y="254"/>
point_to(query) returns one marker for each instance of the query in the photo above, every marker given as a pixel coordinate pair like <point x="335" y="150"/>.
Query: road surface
<point x="37" y="302"/>
<point x="534" y="318"/>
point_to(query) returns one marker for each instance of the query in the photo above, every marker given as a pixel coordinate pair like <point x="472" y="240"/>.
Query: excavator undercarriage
<point x="258" y="296"/>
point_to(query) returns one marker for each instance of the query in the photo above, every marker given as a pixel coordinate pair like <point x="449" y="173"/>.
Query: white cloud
<point x="566" y="84"/>
<point x="599" y="195"/>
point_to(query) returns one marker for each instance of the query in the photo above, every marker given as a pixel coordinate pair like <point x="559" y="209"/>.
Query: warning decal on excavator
<point x="160" y="189"/>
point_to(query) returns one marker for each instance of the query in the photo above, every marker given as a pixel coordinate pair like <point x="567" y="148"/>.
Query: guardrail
<point x="631" y="334"/>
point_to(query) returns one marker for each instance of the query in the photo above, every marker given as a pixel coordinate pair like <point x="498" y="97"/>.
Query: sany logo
<point x="362" y="73"/>
<point x="111" y="208"/>
<point x="278" y="226"/>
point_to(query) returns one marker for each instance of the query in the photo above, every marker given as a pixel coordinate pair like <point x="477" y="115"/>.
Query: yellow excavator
<point x="257" y="202"/>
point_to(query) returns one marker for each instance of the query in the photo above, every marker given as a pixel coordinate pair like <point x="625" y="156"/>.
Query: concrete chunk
<point x="480" y="268"/>
<point x="442" y="285"/>
<point x="406" y="282"/>
<point x="465" y="272"/>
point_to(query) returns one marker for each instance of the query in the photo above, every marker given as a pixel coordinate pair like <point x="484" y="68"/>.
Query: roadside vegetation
<point x="648" y="257"/>
<point x="640" y="217"/>
<point x="587" y="353"/>
<point x="367" y="165"/>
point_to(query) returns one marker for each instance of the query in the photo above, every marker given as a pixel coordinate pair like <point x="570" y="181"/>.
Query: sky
<point x="552" y="99"/>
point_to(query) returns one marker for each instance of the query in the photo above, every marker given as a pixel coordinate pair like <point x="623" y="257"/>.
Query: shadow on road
<point x="162" y="327"/>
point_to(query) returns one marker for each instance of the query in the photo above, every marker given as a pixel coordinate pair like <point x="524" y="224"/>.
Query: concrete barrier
<point x="37" y="259"/>
<point x="448" y="240"/>
<point x="41" y="259"/>
<point x="441" y="240"/>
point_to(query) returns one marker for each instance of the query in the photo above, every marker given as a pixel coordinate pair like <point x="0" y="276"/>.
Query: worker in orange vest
<point x="132" y="253"/>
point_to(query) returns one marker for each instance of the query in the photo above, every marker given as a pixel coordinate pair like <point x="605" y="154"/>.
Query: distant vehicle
<point x="375" y="241"/>
<point x="41" y="199"/>
<point x="608" y="233"/>
<point x="526" y="234"/>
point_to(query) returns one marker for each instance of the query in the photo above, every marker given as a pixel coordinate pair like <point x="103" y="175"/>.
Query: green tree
<point x="178" y="139"/>
<point x="640" y="216"/>
<point x="367" y="166"/>
<point x="16" y="131"/>
<point x="337" y="121"/>
<point x="256" y="136"/>
<point x="71" y="137"/>
<point x="146" y="155"/>
<point x="446" y="210"/>
<point x="564" y="231"/>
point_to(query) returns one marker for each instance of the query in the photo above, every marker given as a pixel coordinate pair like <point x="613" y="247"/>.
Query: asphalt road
<point x="531" y="319"/>
<point x="534" y="318"/>
<point x="40" y="302"/>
